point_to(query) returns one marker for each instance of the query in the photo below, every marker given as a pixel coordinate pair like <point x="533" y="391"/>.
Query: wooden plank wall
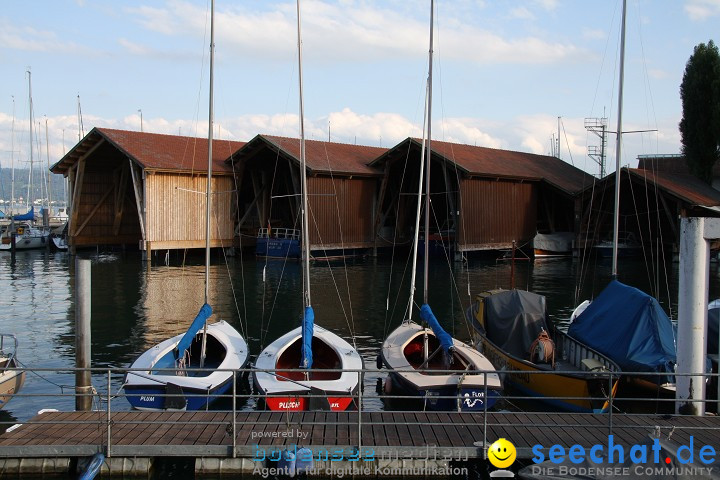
<point x="175" y="210"/>
<point x="341" y="212"/>
<point x="494" y="212"/>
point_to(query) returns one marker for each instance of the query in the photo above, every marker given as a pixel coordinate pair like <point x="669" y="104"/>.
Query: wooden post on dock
<point x="83" y="379"/>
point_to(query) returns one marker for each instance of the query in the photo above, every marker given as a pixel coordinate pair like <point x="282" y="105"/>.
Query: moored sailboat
<point x="191" y="370"/>
<point x="424" y="360"/>
<point x="25" y="235"/>
<point x="308" y="368"/>
<point x="624" y="323"/>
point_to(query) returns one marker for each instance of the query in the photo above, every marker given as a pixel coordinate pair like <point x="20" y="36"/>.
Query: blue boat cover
<point x="306" y="360"/>
<point x="631" y="328"/>
<point x="428" y="317"/>
<point x="30" y="215"/>
<point x="712" y="330"/>
<point x="2" y="214"/>
<point x="197" y="324"/>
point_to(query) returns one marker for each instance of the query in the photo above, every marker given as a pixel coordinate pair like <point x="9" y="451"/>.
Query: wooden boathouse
<point x="652" y="199"/>
<point x="341" y="190"/>
<point x="147" y="190"/>
<point x="482" y="198"/>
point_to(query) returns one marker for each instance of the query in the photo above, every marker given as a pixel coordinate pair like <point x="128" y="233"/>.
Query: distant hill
<point x="21" y="184"/>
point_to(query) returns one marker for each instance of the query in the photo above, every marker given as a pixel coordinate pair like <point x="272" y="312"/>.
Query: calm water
<point x="135" y="306"/>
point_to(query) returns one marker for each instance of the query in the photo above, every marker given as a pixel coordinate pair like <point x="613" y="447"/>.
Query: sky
<point x="509" y="74"/>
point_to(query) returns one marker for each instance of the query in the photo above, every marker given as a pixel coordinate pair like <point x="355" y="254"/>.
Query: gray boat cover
<point x="514" y="319"/>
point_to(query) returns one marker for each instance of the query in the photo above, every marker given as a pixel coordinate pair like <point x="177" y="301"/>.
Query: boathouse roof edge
<point x="154" y="151"/>
<point x="321" y="157"/>
<point x="474" y="161"/>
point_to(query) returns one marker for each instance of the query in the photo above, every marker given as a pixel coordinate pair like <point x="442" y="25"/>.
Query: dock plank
<point x="394" y="430"/>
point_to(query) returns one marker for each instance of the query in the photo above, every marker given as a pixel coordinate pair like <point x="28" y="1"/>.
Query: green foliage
<point x="700" y="125"/>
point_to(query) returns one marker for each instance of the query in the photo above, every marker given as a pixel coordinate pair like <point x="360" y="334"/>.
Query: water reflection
<point x="134" y="306"/>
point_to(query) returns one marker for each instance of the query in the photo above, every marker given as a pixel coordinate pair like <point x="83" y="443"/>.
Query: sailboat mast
<point x="31" y="139"/>
<point x="47" y="151"/>
<point x="12" y="161"/>
<point x="618" y="147"/>
<point x="208" y="198"/>
<point x="303" y="176"/>
<point x="428" y="160"/>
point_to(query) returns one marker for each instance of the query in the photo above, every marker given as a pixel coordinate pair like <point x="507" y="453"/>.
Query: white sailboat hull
<point x="10" y="380"/>
<point x="286" y="390"/>
<point x="151" y="389"/>
<point x="30" y="238"/>
<point x="475" y="387"/>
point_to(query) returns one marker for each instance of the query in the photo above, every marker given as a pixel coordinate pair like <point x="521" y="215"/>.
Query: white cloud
<point x="700" y="10"/>
<point x="30" y="39"/>
<point x="527" y="133"/>
<point x="548" y="4"/>
<point x="521" y="12"/>
<point x="594" y="34"/>
<point x="350" y="32"/>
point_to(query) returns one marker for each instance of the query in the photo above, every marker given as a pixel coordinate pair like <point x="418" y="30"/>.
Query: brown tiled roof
<point x="686" y="187"/>
<point x="491" y="162"/>
<point x="155" y="151"/>
<point x="325" y="157"/>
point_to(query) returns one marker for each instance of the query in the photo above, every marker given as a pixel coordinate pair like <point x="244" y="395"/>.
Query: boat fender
<point x="388" y="385"/>
<point x="542" y="350"/>
<point x="379" y="362"/>
<point x="20" y="230"/>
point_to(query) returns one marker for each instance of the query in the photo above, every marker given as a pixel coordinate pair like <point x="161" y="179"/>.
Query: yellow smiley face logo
<point x="502" y="453"/>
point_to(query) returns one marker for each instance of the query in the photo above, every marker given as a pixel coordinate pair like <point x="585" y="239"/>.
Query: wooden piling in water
<point x="83" y="380"/>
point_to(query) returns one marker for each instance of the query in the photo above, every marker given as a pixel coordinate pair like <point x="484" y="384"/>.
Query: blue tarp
<point x="30" y="215"/>
<point x="631" y="328"/>
<point x="307" y="333"/>
<point x="197" y="324"/>
<point x="428" y="317"/>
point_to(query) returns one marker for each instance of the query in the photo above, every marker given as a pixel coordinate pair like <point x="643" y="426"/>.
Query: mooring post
<point x="83" y="379"/>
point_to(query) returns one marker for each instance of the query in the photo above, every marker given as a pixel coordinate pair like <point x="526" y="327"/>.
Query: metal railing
<point x="288" y="233"/>
<point x="110" y="399"/>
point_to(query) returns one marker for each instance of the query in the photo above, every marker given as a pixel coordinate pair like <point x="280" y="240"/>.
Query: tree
<point x="700" y="124"/>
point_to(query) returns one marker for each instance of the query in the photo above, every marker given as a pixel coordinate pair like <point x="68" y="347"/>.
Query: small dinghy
<point x="167" y="379"/>
<point x="310" y="367"/>
<point x="189" y="371"/>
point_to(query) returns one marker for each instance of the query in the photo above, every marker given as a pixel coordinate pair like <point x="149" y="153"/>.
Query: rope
<point x="386" y="326"/>
<point x="61" y="387"/>
<point x="332" y="276"/>
<point x="351" y="321"/>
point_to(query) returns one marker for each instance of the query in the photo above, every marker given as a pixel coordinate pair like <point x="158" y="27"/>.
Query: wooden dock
<point x="412" y="435"/>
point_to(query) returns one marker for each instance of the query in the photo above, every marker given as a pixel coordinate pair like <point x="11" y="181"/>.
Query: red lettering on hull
<point x="297" y="404"/>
